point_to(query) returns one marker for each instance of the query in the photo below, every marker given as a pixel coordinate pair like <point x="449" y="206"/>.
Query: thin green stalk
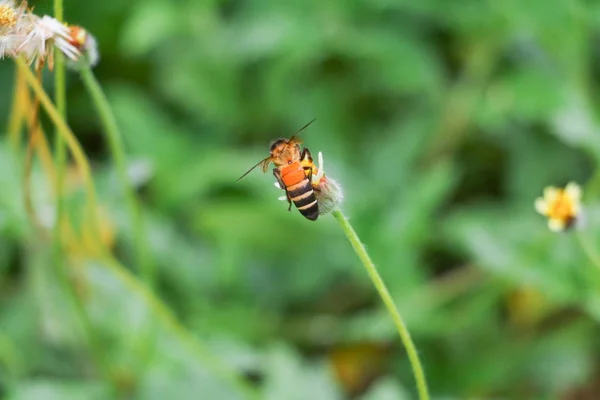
<point x="60" y="99"/>
<point x="589" y="249"/>
<point x="592" y="187"/>
<point x="115" y="141"/>
<point x="18" y="111"/>
<point x="72" y="143"/>
<point x="170" y="322"/>
<point x="361" y="252"/>
<point x="95" y="348"/>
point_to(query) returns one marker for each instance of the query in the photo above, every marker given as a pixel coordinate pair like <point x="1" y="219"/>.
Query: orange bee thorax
<point x="292" y="174"/>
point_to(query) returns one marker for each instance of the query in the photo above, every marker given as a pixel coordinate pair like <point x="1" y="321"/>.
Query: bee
<point x="293" y="170"/>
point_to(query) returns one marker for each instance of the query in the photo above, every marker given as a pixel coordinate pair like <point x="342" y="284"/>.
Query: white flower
<point x="24" y="34"/>
<point x="561" y="206"/>
<point x="45" y="32"/>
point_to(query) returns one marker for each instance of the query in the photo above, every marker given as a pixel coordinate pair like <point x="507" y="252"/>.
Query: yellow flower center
<point x="562" y="208"/>
<point x="8" y="17"/>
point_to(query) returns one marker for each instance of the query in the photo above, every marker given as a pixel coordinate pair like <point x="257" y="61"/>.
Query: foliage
<point x="444" y="120"/>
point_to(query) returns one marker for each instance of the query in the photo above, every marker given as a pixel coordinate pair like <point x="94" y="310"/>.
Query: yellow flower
<point x="561" y="206"/>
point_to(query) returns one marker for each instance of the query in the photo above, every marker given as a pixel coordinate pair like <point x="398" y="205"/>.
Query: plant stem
<point x="171" y="324"/>
<point x="115" y="141"/>
<point x="592" y="187"/>
<point x="589" y="249"/>
<point x="18" y="110"/>
<point x="360" y="250"/>
<point x="80" y="158"/>
<point x="72" y="143"/>
<point x="60" y="98"/>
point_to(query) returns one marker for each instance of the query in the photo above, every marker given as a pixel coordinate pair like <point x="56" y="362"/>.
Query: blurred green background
<point x="443" y="120"/>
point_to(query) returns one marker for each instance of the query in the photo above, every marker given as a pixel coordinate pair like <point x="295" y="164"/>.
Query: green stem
<point x="589" y="249"/>
<point x="592" y="187"/>
<point x="18" y="112"/>
<point x="115" y="141"/>
<point x="360" y="250"/>
<point x="60" y="99"/>
<point x="95" y="346"/>
<point x="62" y="128"/>
<point x="170" y="322"/>
<point x="72" y="143"/>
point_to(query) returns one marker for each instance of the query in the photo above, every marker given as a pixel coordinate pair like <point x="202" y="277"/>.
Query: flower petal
<point x="541" y="206"/>
<point x="573" y="190"/>
<point x="321" y="172"/>
<point x="551" y="193"/>
<point x="556" y="225"/>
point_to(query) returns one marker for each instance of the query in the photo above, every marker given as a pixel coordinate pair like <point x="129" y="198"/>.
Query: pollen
<point x="562" y="207"/>
<point x="8" y="17"/>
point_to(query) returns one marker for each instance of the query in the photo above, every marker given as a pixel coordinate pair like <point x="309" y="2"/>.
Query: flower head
<point x="561" y="206"/>
<point x="24" y="34"/>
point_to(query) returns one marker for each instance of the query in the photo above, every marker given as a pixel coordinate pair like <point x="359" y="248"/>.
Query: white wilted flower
<point x="24" y="34"/>
<point x="45" y="33"/>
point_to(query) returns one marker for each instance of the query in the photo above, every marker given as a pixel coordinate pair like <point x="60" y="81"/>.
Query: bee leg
<point x="305" y="155"/>
<point x="309" y="173"/>
<point x="277" y="175"/>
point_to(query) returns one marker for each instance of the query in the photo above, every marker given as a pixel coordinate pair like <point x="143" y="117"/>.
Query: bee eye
<point x="289" y="161"/>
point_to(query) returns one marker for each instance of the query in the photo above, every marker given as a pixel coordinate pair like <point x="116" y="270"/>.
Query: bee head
<point x="284" y="151"/>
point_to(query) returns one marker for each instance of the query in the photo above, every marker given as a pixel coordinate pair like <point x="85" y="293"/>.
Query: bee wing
<point x="264" y="165"/>
<point x="295" y="138"/>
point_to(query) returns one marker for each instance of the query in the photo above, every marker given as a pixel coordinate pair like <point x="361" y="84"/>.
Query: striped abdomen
<point x="299" y="190"/>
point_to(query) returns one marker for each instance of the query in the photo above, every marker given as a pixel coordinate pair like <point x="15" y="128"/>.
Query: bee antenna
<point x="251" y="169"/>
<point x="304" y="127"/>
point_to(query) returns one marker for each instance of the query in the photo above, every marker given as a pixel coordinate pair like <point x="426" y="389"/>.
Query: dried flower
<point x="561" y="206"/>
<point x="44" y="34"/>
<point x="24" y="34"/>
